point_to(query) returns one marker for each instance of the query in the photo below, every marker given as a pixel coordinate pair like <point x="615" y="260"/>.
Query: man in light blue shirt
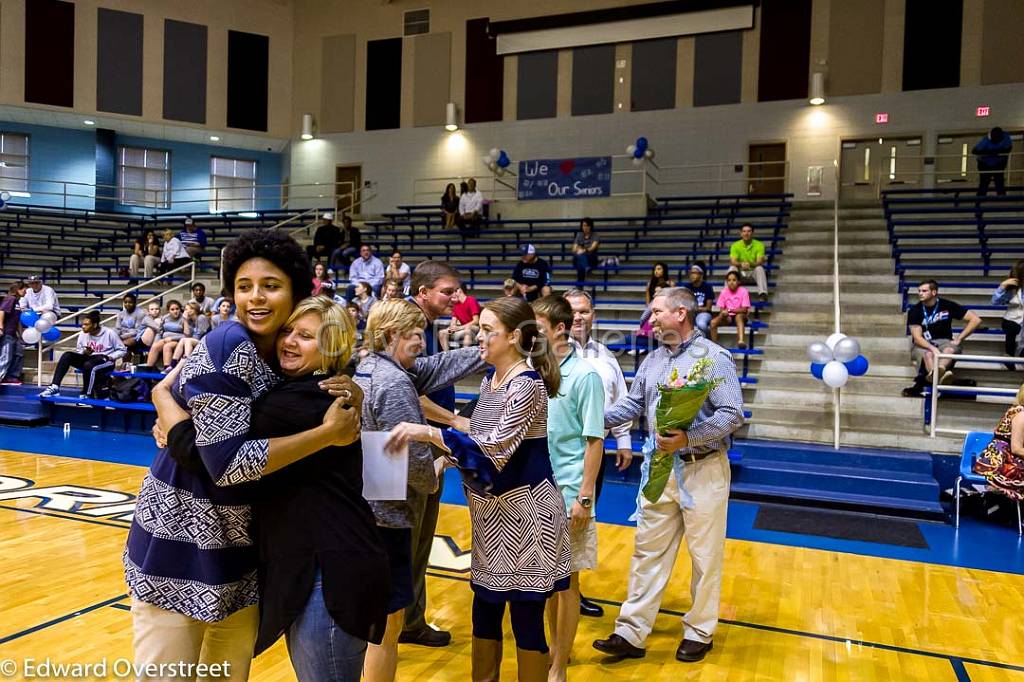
<point x="366" y="268"/>
<point x="576" y="447"/>
<point x="696" y="498"/>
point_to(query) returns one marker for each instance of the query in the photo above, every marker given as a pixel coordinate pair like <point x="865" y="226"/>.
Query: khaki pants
<point x="162" y="636"/>
<point x="758" y="276"/>
<point x="658" y="532"/>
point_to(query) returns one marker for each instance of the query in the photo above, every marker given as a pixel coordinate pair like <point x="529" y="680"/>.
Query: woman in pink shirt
<point x="733" y="304"/>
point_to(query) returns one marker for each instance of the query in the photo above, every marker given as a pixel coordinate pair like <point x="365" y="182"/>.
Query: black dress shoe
<point x="691" y="651"/>
<point x="618" y="647"/>
<point x="589" y="608"/>
<point x="428" y="636"/>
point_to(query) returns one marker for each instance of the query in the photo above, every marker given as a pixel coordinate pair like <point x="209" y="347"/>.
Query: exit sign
<point x="981" y="111"/>
<point x="882" y="118"/>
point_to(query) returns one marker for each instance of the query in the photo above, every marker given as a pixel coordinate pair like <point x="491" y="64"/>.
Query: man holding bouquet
<point x="688" y="391"/>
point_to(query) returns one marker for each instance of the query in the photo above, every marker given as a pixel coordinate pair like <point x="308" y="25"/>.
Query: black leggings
<point x="95" y="368"/>
<point x="527" y="622"/>
<point x="1011" y="329"/>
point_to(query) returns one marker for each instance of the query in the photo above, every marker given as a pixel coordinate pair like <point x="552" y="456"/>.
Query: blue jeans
<point x="320" y="651"/>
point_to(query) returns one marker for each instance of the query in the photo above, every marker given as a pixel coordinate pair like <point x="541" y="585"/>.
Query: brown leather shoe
<point x="616" y="646"/>
<point x="691" y="651"/>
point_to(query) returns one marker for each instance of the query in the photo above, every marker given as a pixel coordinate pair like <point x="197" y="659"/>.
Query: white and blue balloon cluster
<point x="640" y="151"/>
<point x="38" y="327"/>
<point x="497" y="160"/>
<point x="837" y="359"/>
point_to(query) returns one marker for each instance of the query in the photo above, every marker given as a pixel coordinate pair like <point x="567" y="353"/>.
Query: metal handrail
<point x="40" y="347"/>
<point x="937" y="387"/>
<point x="836" y="392"/>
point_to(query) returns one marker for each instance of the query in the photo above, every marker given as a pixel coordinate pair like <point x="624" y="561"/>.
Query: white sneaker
<point x="53" y="390"/>
<point x="947" y="377"/>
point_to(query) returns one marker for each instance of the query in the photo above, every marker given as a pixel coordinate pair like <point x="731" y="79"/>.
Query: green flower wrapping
<point x="678" y="405"/>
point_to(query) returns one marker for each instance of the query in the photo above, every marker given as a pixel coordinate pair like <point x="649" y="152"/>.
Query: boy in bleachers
<point x="129" y="324"/>
<point x="200" y="298"/>
<point x="931" y="329"/>
<point x="40" y="298"/>
<point x="95" y="353"/>
<point x="193" y="238"/>
<point x="703" y="293"/>
<point x="733" y="304"/>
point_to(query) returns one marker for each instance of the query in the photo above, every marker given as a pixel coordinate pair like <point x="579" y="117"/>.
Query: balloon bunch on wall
<point x="837" y="359"/>
<point x="4" y="198"/>
<point x="640" y="151"/>
<point x="38" y="327"/>
<point x="497" y="160"/>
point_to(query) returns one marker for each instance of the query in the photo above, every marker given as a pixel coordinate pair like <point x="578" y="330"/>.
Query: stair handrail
<point x="40" y="346"/>
<point x="836" y="395"/>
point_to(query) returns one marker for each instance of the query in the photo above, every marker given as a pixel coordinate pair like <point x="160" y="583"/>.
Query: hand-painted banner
<point x="581" y="178"/>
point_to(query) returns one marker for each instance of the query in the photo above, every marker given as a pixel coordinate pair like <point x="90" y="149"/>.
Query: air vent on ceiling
<point x="417" y="21"/>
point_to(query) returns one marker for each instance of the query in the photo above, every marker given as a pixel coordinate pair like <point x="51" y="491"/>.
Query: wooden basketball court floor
<point x="791" y="610"/>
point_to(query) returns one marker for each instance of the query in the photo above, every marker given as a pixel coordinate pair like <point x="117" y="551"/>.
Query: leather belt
<point x="692" y="459"/>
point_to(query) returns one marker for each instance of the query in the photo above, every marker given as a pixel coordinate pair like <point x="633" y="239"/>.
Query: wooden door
<point x="347" y="180"/>
<point x="766" y="172"/>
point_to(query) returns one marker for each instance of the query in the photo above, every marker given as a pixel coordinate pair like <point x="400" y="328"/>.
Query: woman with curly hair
<point x="191" y="561"/>
<point x="1002" y="460"/>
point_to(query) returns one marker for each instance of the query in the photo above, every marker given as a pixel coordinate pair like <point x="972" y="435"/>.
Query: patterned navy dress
<point x="190" y="548"/>
<point x="520" y="534"/>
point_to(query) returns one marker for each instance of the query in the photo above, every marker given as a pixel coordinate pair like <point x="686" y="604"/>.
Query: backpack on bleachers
<point x="129" y="390"/>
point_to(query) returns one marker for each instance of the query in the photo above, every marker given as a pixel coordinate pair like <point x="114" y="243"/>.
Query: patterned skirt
<point x="1003" y="469"/>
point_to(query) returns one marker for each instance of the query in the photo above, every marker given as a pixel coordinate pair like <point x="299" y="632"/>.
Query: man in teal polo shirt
<point x="747" y="257"/>
<point x="576" y="446"/>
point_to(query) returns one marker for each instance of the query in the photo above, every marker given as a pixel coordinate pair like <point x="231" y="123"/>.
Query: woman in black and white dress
<point x="520" y="539"/>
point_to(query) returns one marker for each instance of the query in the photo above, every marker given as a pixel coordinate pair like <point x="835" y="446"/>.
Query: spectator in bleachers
<point x="152" y="323"/>
<point x="733" y="305"/>
<point x="993" y="152"/>
<point x="465" y="320"/>
<point x="364" y="298"/>
<point x="703" y="293"/>
<point x="1010" y="293"/>
<point x="12" y="352"/>
<point x="510" y="288"/>
<point x="199" y="297"/>
<point x="747" y="257"/>
<point x="197" y="325"/>
<point x="174" y="253"/>
<point x="366" y="268"/>
<point x="348" y="246"/>
<point x="392" y="289"/>
<point x="584" y="250"/>
<point x="1002" y="460"/>
<point x="326" y="239"/>
<point x="40" y="298"/>
<point x="224" y="294"/>
<point x="95" y="353"/>
<point x="471" y="210"/>
<point x="352" y="308"/>
<point x="659" y="280"/>
<point x="319" y="277"/>
<point x="399" y="271"/>
<point x="449" y="206"/>
<point x="532" y="275"/>
<point x="172" y="330"/>
<point x="225" y="313"/>
<point x="931" y="329"/>
<point x="129" y="324"/>
<point x="145" y="256"/>
<point x="193" y="238"/>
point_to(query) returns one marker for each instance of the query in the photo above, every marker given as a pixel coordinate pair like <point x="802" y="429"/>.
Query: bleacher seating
<point x="967" y="244"/>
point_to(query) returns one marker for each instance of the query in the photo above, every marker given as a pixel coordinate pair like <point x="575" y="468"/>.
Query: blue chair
<point x="974" y="443"/>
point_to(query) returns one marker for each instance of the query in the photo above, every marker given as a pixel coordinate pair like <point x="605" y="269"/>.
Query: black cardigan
<point x="312" y="514"/>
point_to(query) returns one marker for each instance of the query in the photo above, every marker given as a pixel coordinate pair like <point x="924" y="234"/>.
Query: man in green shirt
<point x="746" y="256"/>
<point x="576" y="446"/>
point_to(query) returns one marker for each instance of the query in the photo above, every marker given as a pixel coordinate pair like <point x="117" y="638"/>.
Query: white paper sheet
<point x="385" y="474"/>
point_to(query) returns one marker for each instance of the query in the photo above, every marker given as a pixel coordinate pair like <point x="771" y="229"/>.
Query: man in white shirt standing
<point x="471" y="210"/>
<point x="601" y="359"/>
<point x="41" y="298"/>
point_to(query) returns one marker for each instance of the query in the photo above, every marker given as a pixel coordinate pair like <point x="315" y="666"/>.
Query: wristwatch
<point x="585" y="502"/>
